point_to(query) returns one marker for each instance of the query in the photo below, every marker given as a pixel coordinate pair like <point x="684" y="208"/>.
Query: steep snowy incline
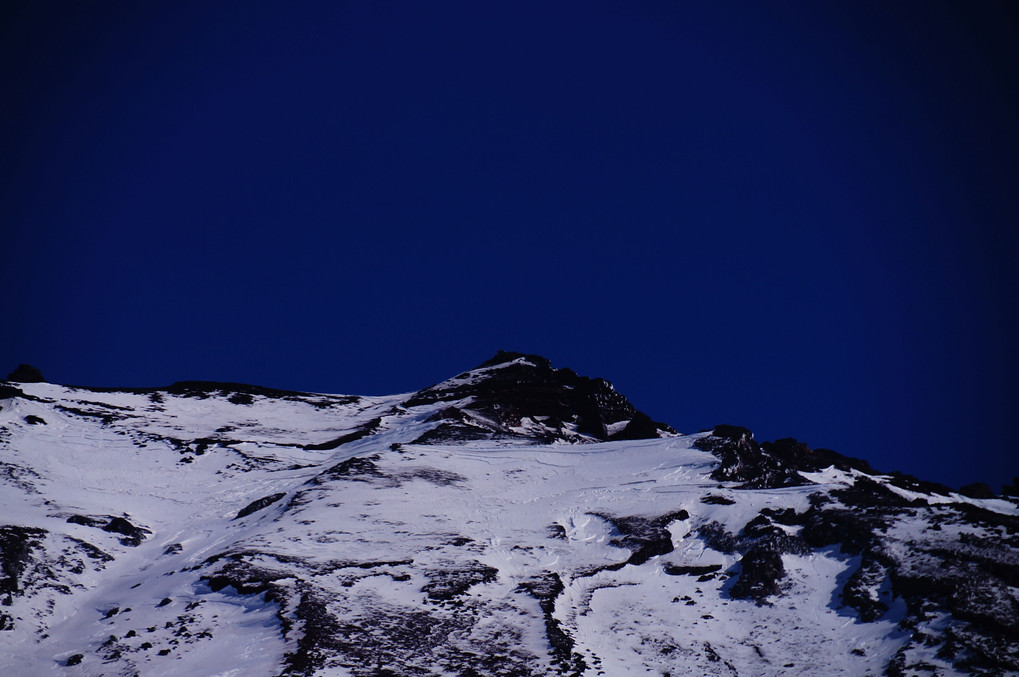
<point x="503" y="522"/>
<point x="104" y="488"/>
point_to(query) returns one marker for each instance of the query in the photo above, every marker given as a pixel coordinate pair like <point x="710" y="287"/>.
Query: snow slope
<point x="214" y="529"/>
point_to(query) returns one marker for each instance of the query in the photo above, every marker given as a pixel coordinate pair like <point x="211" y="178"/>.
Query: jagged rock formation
<point x="523" y="396"/>
<point x="517" y="519"/>
<point x="912" y="540"/>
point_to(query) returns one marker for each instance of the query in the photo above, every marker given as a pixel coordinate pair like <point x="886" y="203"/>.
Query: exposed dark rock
<point x="132" y="535"/>
<point x="762" y="546"/>
<point x="760" y="570"/>
<point x="257" y="505"/>
<point x="527" y="386"/>
<point x="458" y="425"/>
<point x="716" y="537"/>
<point x="449" y="414"/>
<point x="358" y="468"/>
<point x="762" y="532"/>
<point x="862" y="591"/>
<point x="546" y="589"/>
<point x="7" y="392"/>
<point x="976" y="490"/>
<point x="1008" y="524"/>
<point x="759" y="527"/>
<point x="771" y="464"/>
<point x="26" y="373"/>
<point x="241" y="398"/>
<point x="369" y="428"/>
<point x="853" y="531"/>
<point x="321" y="635"/>
<point x="377" y="564"/>
<point x="91" y="551"/>
<point x="969" y="575"/>
<point x="74" y="660"/>
<point x="239" y="393"/>
<point x="913" y="551"/>
<point x="640" y="427"/>
<point x="391" y="641"/>
<point x="911" y="483"/>
<point x="106" y="417"/>
<point x="88" y="521"/>
<point x="988" y="602"/>
<point x="680" y="570"/>
<point x="437" y="476"/>
<point x="743" y="460"/>
<point x="868" y="493"/>
<point x="454" y="432"/>
<point x="798" y="455"/>
<point x="243" y="577"/>
<point x="645" y="538"/>
<point x="16" y="544"/>
<point x="786" y="516"/>
<point x="204" y="389"/>
<point x="713" y="499"/>
<point x="448" y="583"/>
<point x="32" y="419"/>
<point x="556" y="531"/>
<point x="504" y="356"/>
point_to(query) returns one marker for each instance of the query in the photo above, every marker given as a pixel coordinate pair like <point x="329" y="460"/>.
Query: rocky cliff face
<point x="944" y="556"/>
<point x="517" y="519"/>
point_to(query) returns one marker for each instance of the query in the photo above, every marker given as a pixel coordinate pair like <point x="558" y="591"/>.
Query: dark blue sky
<point x="798" y="217"/>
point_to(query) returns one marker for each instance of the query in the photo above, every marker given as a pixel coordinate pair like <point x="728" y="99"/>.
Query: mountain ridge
<point x="511" y="520"/>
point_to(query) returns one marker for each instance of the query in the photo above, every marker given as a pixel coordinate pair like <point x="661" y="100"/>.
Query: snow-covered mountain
<point x="514" y="520"/>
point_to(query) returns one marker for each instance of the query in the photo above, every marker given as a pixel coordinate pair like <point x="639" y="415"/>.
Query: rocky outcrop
<point x="770" y="465"/>
<point x="744" y="460"/>
<point x="519" y="395"/>
<point x="760" y="571"/>
<point x="16" y="544"/>
<point x="7" y="392"/>
<point x="645" y="538"/>
<point x="257" y="505"/>
<point x="131" y="535"/>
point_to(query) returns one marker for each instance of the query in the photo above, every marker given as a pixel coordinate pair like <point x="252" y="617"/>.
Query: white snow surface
<point x="371" y="542"/>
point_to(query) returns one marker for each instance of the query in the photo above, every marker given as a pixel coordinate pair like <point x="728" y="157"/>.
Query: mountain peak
<point x="26" y="373"/>
<point x="505" y="356"/>
<point x="517" y="395"/>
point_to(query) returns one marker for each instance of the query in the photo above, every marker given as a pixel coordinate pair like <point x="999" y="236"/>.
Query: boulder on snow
<point x="132" y="535"/>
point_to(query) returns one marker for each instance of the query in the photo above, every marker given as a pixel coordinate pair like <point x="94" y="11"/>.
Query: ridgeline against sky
<point x="793" y="217"/>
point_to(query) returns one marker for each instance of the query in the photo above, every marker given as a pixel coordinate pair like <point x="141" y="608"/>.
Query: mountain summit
<point x="516" y="519"/>
<point x="518" y="395"/>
